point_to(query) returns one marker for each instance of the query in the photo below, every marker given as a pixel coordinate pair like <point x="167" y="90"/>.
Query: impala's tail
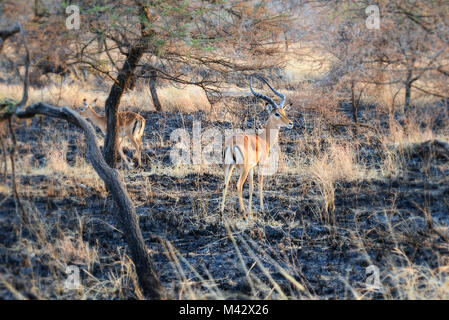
<point x="142" y="126"/>
<point x="233" y="155"/>
<point x="139" y="127"/>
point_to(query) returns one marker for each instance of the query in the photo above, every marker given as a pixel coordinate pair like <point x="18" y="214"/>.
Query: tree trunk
<point x="113" y="102"/>
<point x="5" y="161"/>
<point x="36" y="8"/>
<point x="285" y="41"/>
<point x="126" y="213"/>
<point x="355" y="108"/>
<point x="154" y="97"/>
<point x="408" y="90"/>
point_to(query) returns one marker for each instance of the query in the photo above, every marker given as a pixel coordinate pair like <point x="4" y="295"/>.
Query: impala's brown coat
<point x="245" y="151"/>
<point x="131" y="125"/>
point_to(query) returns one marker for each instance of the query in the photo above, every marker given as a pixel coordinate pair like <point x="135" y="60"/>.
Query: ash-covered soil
<point x="325" y="252"/>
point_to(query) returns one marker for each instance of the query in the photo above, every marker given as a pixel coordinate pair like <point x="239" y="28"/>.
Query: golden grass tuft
<point x="337" y="163"/>
<point x="173" y="99"/>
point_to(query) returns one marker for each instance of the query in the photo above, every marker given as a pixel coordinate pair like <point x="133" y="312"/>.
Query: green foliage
<point x="203" y="44"/>
<point x="159" y="44"/>
<point x="8" y="105"/>
<point x="98" y="9"/>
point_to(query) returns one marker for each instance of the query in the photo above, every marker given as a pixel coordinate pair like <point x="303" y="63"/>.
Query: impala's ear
<point x="269" y="107"/>
<point x="95" y="101"/>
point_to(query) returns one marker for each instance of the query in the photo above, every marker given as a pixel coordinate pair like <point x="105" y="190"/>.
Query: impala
<point x="246" y="151"/>
<point x="130" y="124"/>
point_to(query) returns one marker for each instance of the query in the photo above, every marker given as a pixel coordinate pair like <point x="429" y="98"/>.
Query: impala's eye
<point x="277" y="115"/>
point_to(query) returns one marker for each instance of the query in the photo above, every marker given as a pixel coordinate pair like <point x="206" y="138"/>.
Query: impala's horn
<point x="261" y="96"/>
<point x="275" y="92"/>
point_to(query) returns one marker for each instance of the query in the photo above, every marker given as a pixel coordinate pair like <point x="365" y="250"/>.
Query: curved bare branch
<point x="126" y="213"/>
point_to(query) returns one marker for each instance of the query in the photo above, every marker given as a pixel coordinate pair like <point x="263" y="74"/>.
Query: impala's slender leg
<point x="260" y="176"/>
<point x="138" y="147"/>
<point x="251" y="189"/>
<point x="122" y="154"/>
<point x="139" y="152"/>
<point x="5" y="161"/>
<point x="243" y="175"/>
<point x="228" y="174"/>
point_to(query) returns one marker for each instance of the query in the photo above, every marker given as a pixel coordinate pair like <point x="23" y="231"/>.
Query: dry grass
<point x="69" y="95"/>
<point x="337" y="163"/>
<point x="411" y="132"/>
<point x="173" y="99"/>
<point x="321" y="161"/>
<point x="55" y="254"/>
<point x="418" y="282"/>
<point x="325" y="168"/>
<point x="304" y="63"/>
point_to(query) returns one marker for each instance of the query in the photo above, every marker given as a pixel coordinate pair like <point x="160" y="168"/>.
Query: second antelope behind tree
<point x="130" y="124"/>
<point x="246" y="151"/>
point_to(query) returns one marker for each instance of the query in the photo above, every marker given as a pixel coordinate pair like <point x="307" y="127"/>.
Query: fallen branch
<point x="126" y="213"/>
<point x="8" y="32"/>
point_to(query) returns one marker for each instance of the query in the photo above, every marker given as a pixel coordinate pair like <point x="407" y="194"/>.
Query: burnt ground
<point x="377" y="221"/>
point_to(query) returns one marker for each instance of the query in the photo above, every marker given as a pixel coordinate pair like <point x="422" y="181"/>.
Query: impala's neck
<point x="99" y="121"/>
<point x="270" y="134"/>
